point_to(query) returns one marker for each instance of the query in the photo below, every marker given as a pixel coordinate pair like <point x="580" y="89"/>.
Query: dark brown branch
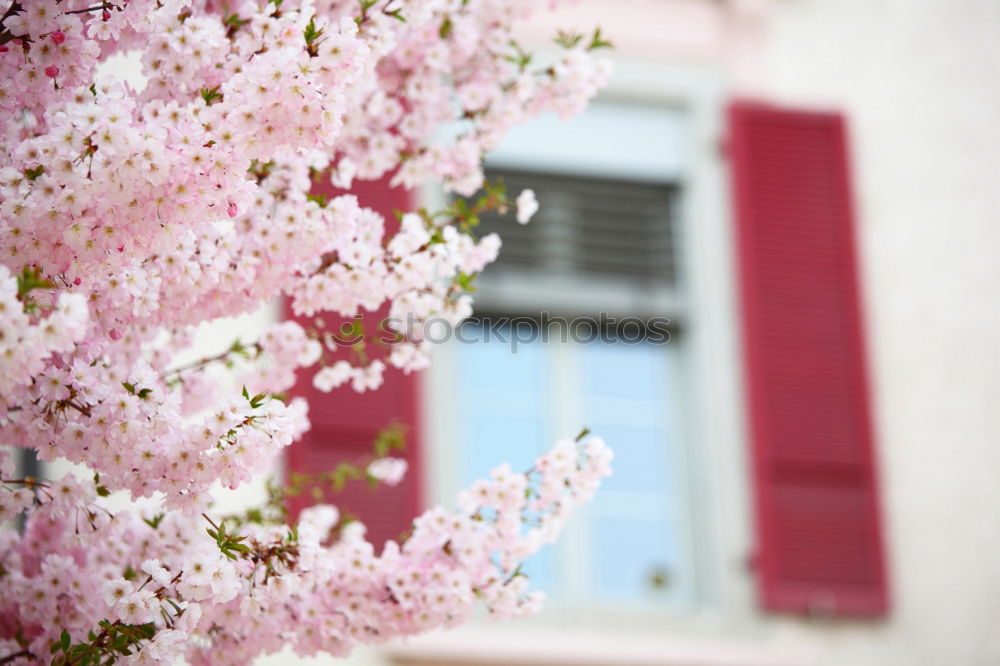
<point x="80" y="408"/>
<point x="17" y="655"/>
<point x="7" y="35"/>
<point x="103" y="5"/>
<point x="29" y="482"/>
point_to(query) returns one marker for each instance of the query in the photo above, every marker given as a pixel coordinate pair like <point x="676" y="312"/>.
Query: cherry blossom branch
<point x="87" y="10"/>
<point x="139" y="204"/>
<point x="16" y="7"/>
<point x="28" y="482"/>
<point x="6" y="35"/>
<point x="17" y="655"/>
<point x="237" y="348"/>
<point x="83" y="409"/>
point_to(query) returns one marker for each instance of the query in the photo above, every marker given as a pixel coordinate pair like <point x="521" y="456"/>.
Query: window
<point x="580" y="322"/>
<point x="673" y="529"/>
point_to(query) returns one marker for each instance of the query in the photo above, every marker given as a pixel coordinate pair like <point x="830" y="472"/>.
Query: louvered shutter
<point x="595" y="228"/>
<point x="345" y="423"/>
<point x="819" y="545"/>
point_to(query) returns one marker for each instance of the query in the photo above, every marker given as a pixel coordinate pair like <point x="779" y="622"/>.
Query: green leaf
<point x="311" y="32"/>
<point x="129" y="387"/>
<point x="446" y="28"/>
<point x="598" y="42"/>
<point x="343" y="473"/>
<point x="234" y="21"/>
<point x="154" y="522"/>
<point x="32" y="174"/>
<point x="464" y="281"/>
<point x="31" y="278"/>
<point x="318" y="199"/>
<point x="79" y="650"/>
<point x="521" y="57"/>
<point x="567" y="39"/>
<point x="211" y="95"/>
<point x="390" y="438"/>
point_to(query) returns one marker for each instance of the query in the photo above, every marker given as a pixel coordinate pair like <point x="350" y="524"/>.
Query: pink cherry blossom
<point x="389" y="471"/>
<point x="527" y="206"/>
<point x="131" y="215"/>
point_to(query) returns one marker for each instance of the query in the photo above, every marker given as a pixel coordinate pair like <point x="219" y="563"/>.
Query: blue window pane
<point x="502" y="406"/>
<point x="626" y="371"/>
<point x="642" y="463"/>
<point x="637" y="521"/>
<point x="635" y="559"/>
<point x="502" y="403"/>
<point x="488" y="362"/>
<point x="627" y="401"/>
<point x="488" y="440"/>
<point x="540" y="569"/>
<point x="636" y="529"/>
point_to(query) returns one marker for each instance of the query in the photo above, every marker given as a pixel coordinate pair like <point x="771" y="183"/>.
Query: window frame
<point x="715" y="427"/>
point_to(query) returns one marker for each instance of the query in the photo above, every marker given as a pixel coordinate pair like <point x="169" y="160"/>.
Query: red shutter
<point x="818" y="536"/>
<point x="345" y="423"/>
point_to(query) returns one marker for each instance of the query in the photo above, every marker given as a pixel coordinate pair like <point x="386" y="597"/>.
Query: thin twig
<point x="103" y="5"/>
<point x="203" y="362"/>
<point x="80" y="408"/>
<point x="16" y="655"/>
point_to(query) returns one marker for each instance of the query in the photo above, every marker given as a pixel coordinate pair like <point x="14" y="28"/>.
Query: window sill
<point x="476" y="646"/>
